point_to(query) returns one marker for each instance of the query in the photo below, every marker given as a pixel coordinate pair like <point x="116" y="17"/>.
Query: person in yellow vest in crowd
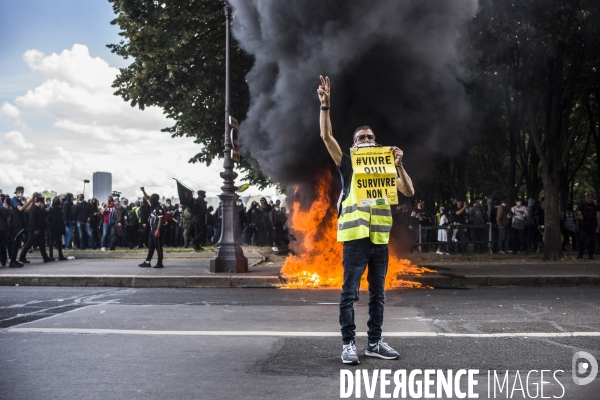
<point x="365" y="232"/>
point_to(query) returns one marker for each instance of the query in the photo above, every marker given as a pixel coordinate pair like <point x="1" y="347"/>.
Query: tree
<point x="178" y="51"/>
<point x="556" y="64"/>
<point x="49" y="194"/>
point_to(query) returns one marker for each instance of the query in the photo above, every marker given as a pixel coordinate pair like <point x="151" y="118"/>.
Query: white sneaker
<point x="103" y="249"/>
<point x="508" y="251"/>
<point x="439" y="252"/>
<point x="501" y="252"/>
<point x="349" y="355"/>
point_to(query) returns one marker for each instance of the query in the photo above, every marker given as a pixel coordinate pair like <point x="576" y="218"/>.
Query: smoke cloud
<point x="394" y="65"/>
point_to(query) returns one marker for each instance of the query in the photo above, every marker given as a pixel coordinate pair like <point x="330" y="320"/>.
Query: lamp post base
<point x="229" y="259"/>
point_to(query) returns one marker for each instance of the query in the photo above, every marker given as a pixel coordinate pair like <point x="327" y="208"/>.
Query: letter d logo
<point x="582" y="368"/>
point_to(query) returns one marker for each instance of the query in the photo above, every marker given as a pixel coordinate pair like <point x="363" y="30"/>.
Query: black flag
<point x="186" y="195"/>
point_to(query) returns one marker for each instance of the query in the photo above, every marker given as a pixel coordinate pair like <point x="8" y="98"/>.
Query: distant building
<point x="102" y="183"/>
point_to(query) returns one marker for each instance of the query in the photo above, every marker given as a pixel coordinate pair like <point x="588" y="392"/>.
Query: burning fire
<point x="319" y="263"/>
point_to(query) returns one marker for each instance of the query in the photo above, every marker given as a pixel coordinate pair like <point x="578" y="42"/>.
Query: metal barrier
<point x="489" y="242"/>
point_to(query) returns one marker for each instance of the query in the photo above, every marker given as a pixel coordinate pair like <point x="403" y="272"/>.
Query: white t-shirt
<point x="519" y="212"/>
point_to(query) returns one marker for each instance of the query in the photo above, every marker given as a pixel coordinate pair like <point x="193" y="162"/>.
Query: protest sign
<point x="375" y="175"/>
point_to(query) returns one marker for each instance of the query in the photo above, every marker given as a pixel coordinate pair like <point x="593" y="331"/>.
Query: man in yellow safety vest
<point x="365" y="232"/>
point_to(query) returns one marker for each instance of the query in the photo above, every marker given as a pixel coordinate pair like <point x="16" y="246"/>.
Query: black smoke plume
<point x="394" y="65"/>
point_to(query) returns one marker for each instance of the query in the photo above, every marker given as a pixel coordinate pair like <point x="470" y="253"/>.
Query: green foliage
<point x="49" y="194"/>
<point x="178" y="53"/>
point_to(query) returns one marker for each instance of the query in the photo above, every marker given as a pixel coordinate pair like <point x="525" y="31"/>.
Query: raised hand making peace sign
<point x="324" y="91"/>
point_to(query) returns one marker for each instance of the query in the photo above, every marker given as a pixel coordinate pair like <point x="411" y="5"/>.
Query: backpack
<point x="565" y="217"/>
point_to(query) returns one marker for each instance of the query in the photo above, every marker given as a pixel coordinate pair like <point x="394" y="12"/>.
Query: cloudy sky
<point x="60" y="122"/>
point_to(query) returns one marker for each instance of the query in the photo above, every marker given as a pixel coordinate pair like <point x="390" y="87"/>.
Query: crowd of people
<point x="515" y="229"/>
<point x="66" y="222"/>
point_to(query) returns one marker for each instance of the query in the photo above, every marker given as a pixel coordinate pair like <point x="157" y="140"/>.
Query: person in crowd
<point x="144" y="227"/>
<point x="18" y="228"/>
<point x="4" y="231"/>
<point x="82" y="212"/>
<point x="168" y="227"/>
<point x="200" y="219"/>
<point x="438" y="216"/>
<point x="96" y="221"/>
<point x="252" y="223"/>
<point x="568" y="228"/>
<point x="119" y="228"/>
<point x="176" y="228"/>
<point x="459" y="220"/>
<point x="133" y="223"/>
<point x="519" y="213"/>
<point x="156" y="231"/>
<point x="265" y="229"/>
<point x="285" y="237"/>
<point x="588" y="214"/>
<point x="210" y="225"/>
<point x="106" y="210"/>
<point x="187" y="222"/>
<point x="36" y="230"/>
<point x="443" y="233"/>
<point x="478" y="217"/>
<point x="67" y="208"/>
<point x="279" y="219"/>
<point x="240" y="218"/>
<point x="57" y="228"/>
<point x="491" y="214"/>
<point x="420" y="217"/>
<point x="503" y="219"/>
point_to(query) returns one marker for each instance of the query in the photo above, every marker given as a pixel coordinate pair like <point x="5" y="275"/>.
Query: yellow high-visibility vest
<point x="356" y="222"/>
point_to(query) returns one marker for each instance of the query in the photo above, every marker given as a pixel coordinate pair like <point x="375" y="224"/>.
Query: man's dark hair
<point x="39" y="199"/>
<point x="361" y="128"/>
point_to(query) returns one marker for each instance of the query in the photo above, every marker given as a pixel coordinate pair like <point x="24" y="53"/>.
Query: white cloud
<point x="7" y="155"/>
<point x="9" y="110"/>
<point x="85" y="128"/>
<point x="16" y="139"/>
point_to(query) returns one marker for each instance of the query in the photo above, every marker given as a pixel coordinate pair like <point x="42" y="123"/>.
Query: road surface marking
<point x="294" y="334"/>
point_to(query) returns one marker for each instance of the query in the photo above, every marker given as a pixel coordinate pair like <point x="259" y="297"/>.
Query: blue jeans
<point x="81" y="226"/>
<point x="357" y="254"/>
<point x="68" y="235"/>
<point x="106" y="234"/>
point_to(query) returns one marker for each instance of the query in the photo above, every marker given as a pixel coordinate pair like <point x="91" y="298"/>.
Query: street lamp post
<point x="229" y="256"/>
<point x="84" y="182"/>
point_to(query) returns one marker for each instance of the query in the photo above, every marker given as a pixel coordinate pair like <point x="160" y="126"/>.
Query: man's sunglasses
<point x="361" y="138"/>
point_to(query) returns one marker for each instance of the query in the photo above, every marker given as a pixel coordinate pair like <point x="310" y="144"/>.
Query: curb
<point x="128" y="256"/>
<point x="531" y="281"/>
<point x="142" y="281"/>
<point x="240" y="281"/>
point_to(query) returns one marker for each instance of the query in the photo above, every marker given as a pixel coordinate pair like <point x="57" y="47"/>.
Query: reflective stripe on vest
<point x="357" y="222"/>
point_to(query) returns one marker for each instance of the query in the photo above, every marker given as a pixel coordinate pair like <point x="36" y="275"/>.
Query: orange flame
<point x="319" y="263"/>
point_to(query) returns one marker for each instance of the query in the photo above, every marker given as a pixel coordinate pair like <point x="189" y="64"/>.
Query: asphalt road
<point x="111" y="343"/>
